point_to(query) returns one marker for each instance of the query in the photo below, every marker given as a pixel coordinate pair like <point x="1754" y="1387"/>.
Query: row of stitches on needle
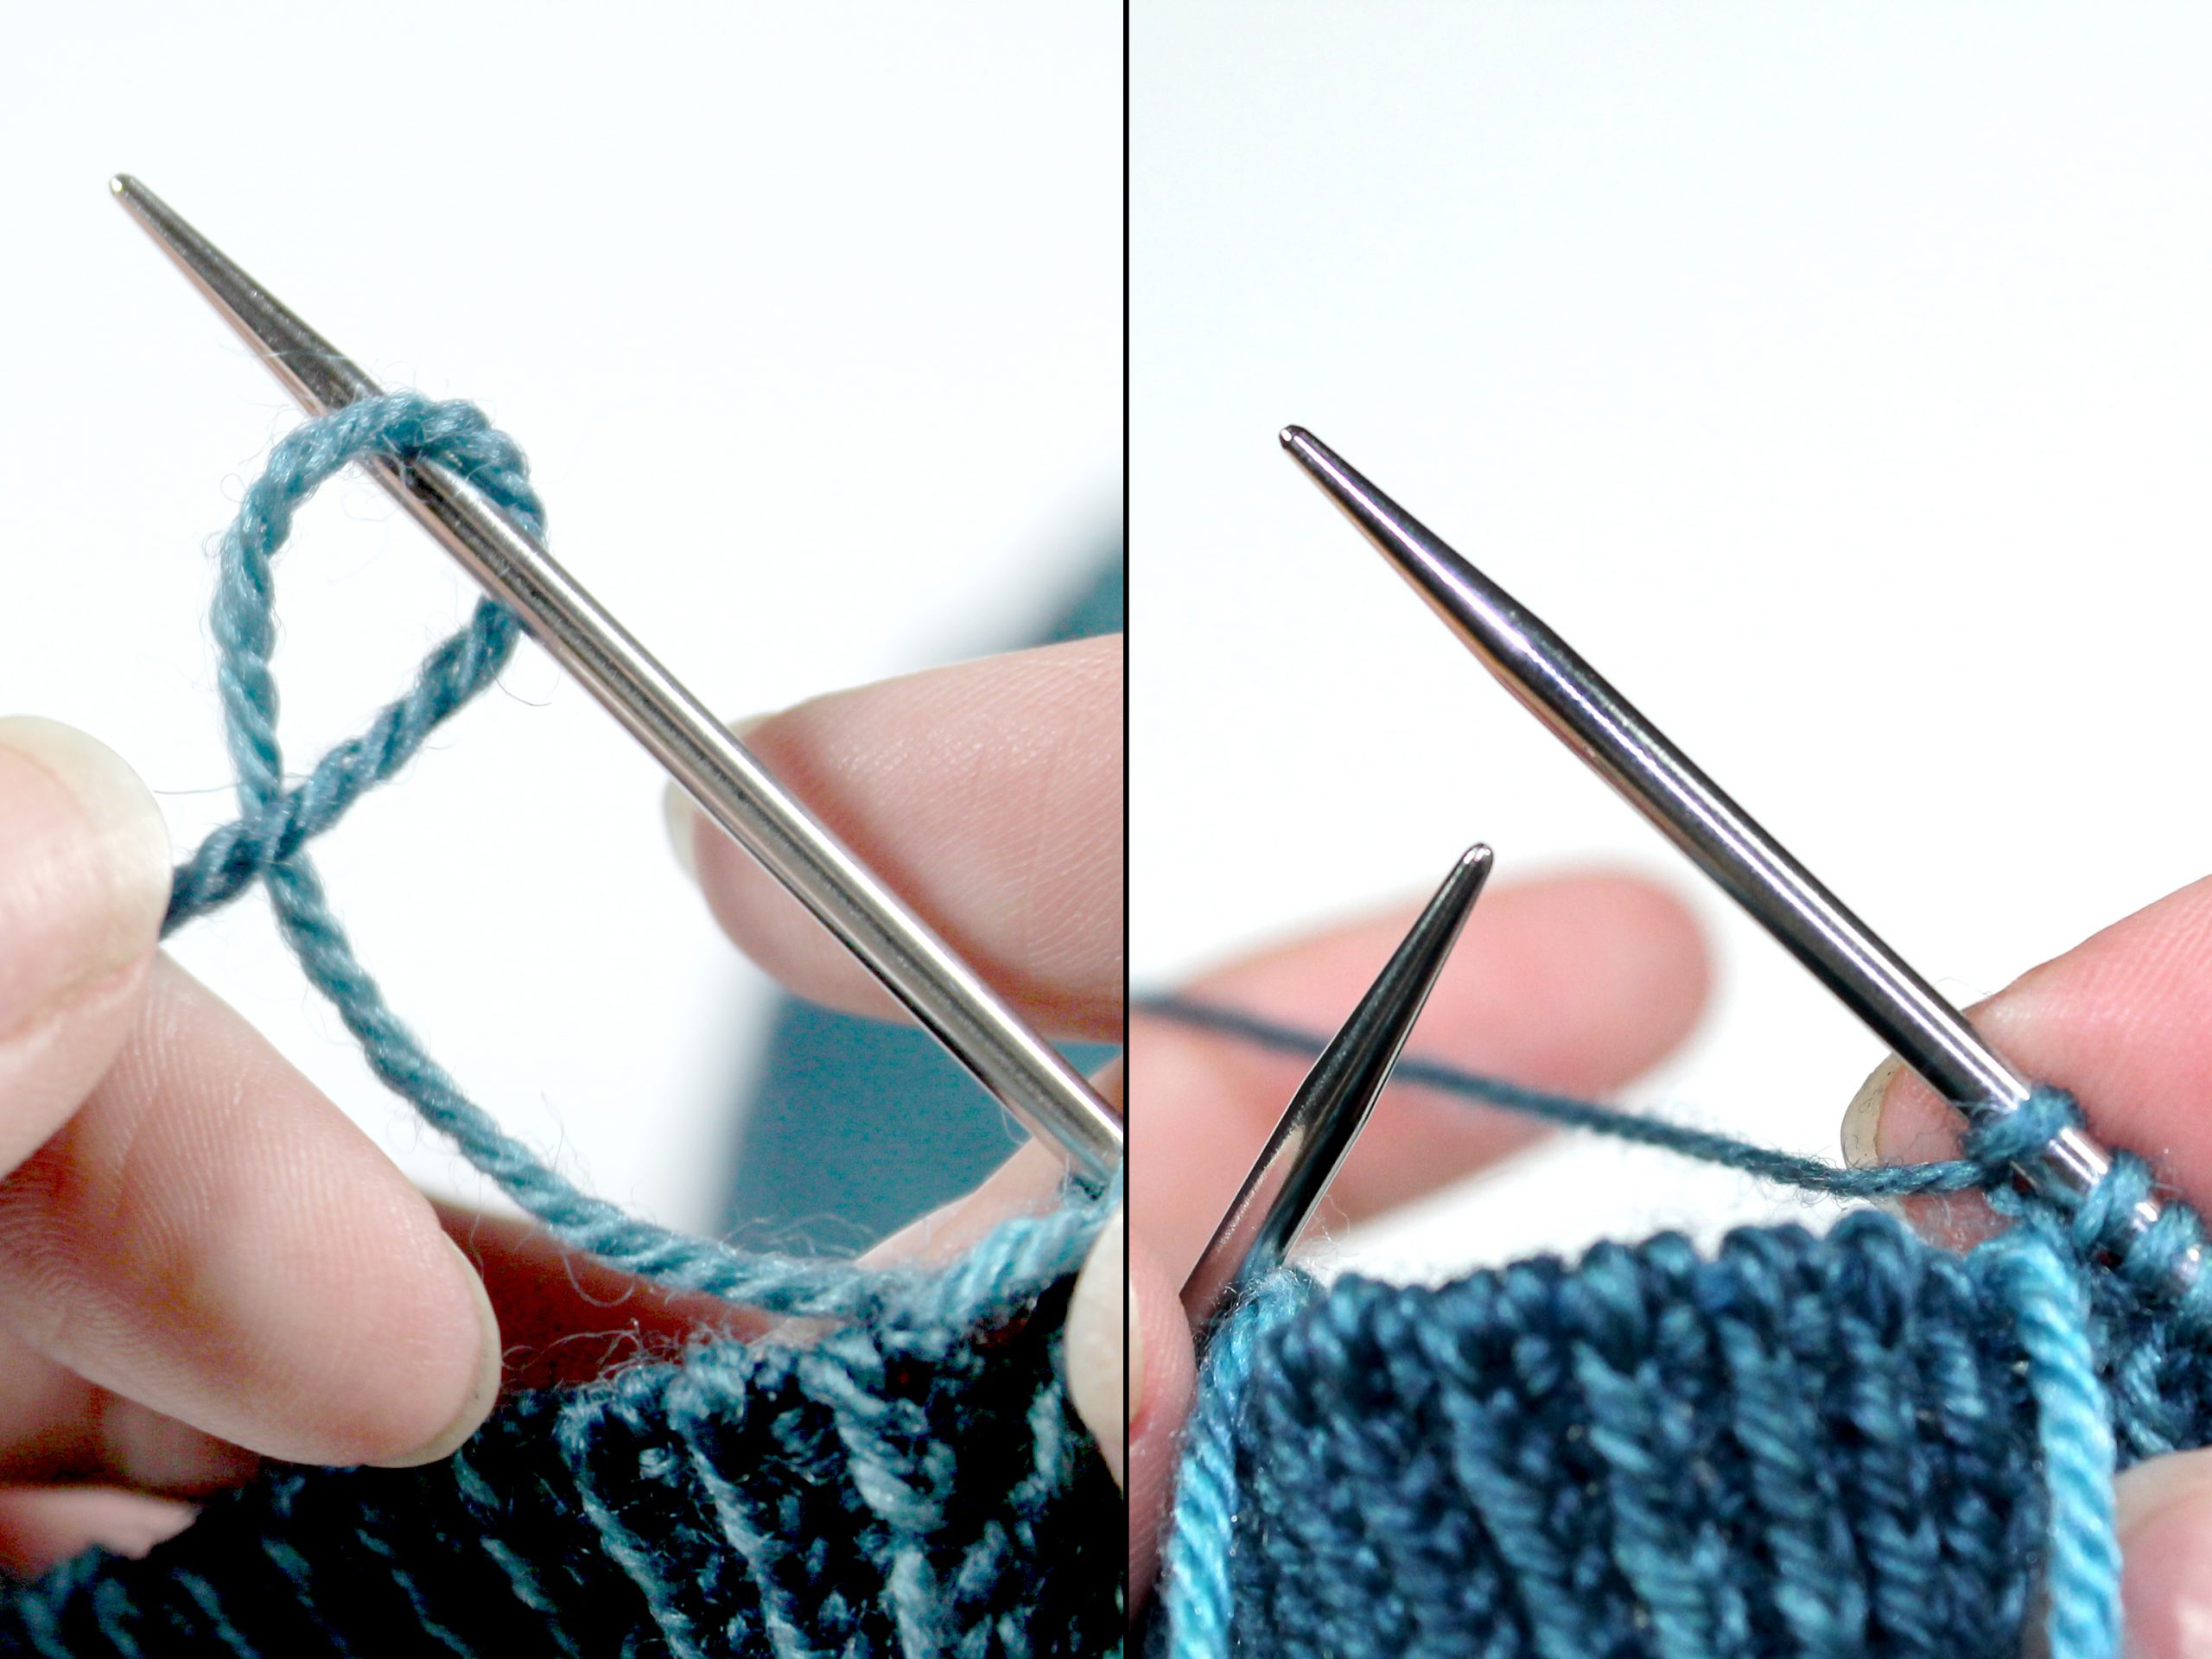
<point x="1802" y="1444"/>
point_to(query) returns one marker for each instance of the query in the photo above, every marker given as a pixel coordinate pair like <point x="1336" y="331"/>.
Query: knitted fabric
<point x="908" y="1480"/>
<point x="1846" y="1443"/>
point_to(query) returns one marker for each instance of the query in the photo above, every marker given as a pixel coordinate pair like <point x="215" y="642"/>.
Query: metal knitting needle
<point x="732" y="787"/>
<point x="1326" y="1116"/>
<point x="1632" y="754"/>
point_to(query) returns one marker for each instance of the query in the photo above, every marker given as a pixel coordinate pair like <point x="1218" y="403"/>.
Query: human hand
<point x="204" y="1263"/>
<point x="2119" y="1021"/>
<point x="202" y="1260"/>
<point x="1573" y="982"/>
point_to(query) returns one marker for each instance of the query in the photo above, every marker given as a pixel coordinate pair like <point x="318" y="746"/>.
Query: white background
<point x="809" y="319"/>
<point x="1834" y="378"/>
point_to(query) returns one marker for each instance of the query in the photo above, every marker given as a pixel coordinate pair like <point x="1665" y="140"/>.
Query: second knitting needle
<point x="1326" y="1116"/>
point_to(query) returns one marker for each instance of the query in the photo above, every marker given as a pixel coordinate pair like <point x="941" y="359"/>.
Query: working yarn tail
<point x="1804" y="1444"/>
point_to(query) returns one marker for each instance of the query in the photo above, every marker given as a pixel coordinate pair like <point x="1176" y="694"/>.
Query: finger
<point x="1573" y="982"/>
<point x="1161" y="1386"/>
<point x="83" y="877"/>
<point x="567" y="1319"/>
<point x="2164" y="1522"/>
<point x="1029" y="1183"/>
<point x="43" y="1526"/>
<point x="209" y="1236"/>
<point x="987" y="795"/>
<point x="61" y="1428"/>
<point x="2120" y="1021"/>
<point x="1098" y="1352"/>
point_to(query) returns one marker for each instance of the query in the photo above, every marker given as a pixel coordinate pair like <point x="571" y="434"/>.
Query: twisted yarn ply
<point x="910" y="1481"/>
<point x="1838" y="1445"/>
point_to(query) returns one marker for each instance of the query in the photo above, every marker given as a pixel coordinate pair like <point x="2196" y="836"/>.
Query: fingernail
<point x="85" y="877"/>
<point x="483" y="1395"/>
<point x="1862" y="1119"/>
<point x="683" y="820"/>
<point x="1105" y="1365"/>
<point x="683" y="816"/>
<point x="2163" y="1516"/>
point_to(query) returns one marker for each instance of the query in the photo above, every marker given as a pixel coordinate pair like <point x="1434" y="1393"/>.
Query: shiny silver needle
<point x="1632" y="754"/>
<point x="949" y="998"/>
<point x="1330" y="1107"/>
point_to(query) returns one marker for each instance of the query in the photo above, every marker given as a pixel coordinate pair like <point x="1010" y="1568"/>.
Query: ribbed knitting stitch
<point x="909" y="1480"/>
<point x="1841" y="1444"/>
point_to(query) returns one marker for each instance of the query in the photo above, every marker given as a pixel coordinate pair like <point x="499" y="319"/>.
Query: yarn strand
<point x="268" y="843"/>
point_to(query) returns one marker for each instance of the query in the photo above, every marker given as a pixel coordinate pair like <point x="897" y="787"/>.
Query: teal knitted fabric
<point x="909" y="1481"/>
<point x="1843" y="1445"/>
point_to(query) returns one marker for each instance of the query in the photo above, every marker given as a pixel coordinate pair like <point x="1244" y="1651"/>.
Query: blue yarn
<point x="1957" y="1175"/>
<point x="1205" y="1489"/>
<point x="912" y="1481"/>
<point x="1800" y="1444"/>
<point x="268" y="843"/>
<point x="2042" y="1283"/>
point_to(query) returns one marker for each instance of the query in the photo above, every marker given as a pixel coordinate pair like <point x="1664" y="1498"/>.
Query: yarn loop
<point x="907" y="1480"/>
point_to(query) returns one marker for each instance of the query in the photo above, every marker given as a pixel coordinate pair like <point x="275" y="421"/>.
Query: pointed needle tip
<point x="1464" y="884"/>
<point x="133" y="197"/>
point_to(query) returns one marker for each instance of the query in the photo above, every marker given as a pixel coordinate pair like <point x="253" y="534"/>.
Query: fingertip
<point x="2163" y="1516"/>
<point x="84" y="881"/>
<point x="1861" y="1133"/>
<point x="119" y="849"/>
<point x="1160" y="1401"/>
<point x="161" y="1453"/>
<point x="1104" y="1349"/>
<point x="482" y="1342"/>
<point x="1643" y="950"/>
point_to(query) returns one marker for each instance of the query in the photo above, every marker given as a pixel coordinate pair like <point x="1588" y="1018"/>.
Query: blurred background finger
<point x="1576" y="982"/>
<point x="988" y="795"/>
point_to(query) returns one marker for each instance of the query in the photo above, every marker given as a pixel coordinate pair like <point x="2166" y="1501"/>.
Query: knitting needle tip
<point x="1327" y="1114"/>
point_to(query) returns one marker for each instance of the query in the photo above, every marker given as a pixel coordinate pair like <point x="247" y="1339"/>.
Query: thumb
<point x="2120" y="1021"/>
<point x="2165" y="1541"/>
<point x="1105" y="1354"/>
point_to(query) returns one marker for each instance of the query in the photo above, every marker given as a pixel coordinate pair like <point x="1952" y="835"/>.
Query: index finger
<point x="987" y="795"/>
<point x="1572" y="981"/>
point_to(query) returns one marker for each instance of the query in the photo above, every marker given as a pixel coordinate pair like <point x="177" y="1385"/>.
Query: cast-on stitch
<point x="912" y="1482"/>
<point x="1844" y="1445"/>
